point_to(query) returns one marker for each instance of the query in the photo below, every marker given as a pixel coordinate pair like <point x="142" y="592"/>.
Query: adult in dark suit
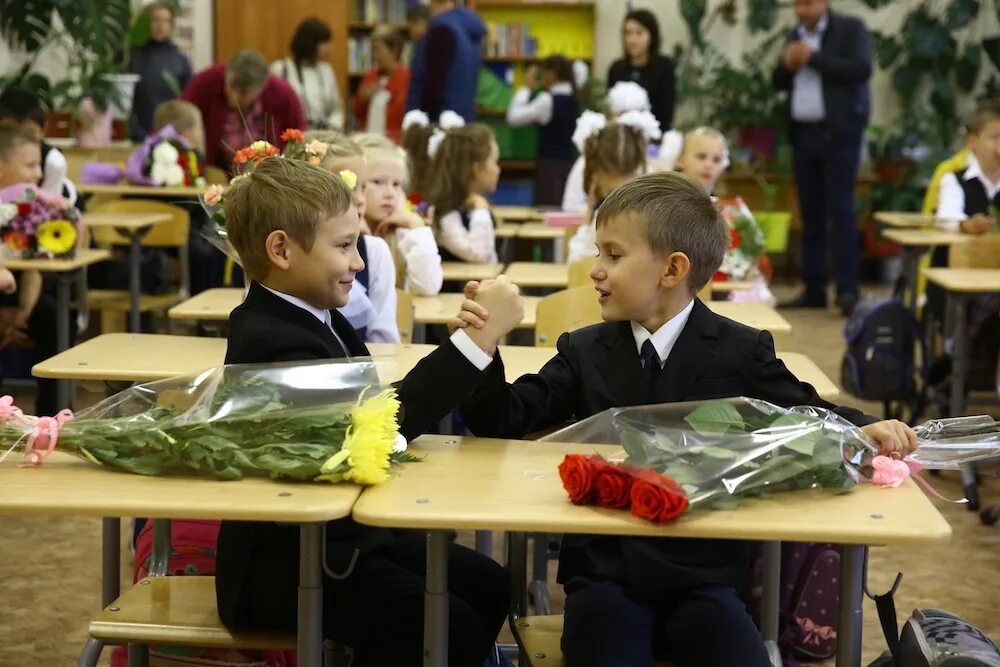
<point x="825" y="68"/>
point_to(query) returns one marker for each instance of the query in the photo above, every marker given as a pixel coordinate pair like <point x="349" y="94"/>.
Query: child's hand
<point x="892" y="437"/>
<point x="477" y="201"/>
<point x="532" y="77"/>
<point x="399" y="220"/>
<point x="977" y="224"/>
<point x="472" y="313"/>
<point x="8" y="285"/>
<point x="502" y="301"/>
<point x="13" y="327"/>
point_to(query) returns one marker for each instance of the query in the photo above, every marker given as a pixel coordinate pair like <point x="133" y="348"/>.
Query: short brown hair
<point x="679" y="216"/>
<point x="986" y="112"/>
<point x="246" y="70"/>
<point x="450" y="171"/>
<point x="289" y="195"/>
<point x="616" y="149"/>
<point x="13" y="137"/>
<point x="180" y="114"/>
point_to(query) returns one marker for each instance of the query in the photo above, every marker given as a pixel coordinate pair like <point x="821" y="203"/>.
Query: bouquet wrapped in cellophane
<point x="324" y="421"/>
<point x="715" y="453"/>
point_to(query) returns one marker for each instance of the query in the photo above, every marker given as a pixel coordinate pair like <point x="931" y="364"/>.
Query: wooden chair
<point x="563" y="311"/>
<point x="980" y="253"/>
<point x="404" y="315"/>
<point x="114" y="304"/>
<point x="579" y="273"/>
<point x="216" y="175"/>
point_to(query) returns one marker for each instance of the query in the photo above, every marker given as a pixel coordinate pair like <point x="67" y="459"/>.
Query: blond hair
<point x="704" y="131"/>
<point x="450" y="172"/>
<point x="616" y="150"/>
<point x="338" y="147"/>
<point x="182" y="115"/>
<point x="378" y="148"/>
<point x="287" y="195"/>
<point x="13" y="137"/>
<point x="678" y="215"/>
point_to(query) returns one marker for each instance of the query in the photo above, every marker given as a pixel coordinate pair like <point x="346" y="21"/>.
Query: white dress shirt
<point x="808" y="105"/>
<point x="424" y="275"/>
<point x="374" y="308"/>
<point x="665" y="337"/>
<point x="951" y="196"/>
<point x="524" y="111"/>
<point x="475" y="244"/>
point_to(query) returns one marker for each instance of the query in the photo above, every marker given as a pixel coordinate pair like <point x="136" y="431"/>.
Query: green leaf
<point x="715" y="418"/>
<point x="636" y="446"/>
<point x="827" y="453"/>
<point x="714" y="452"/>
<point x="26" y="23"/>
<point x="960" y="13"/>
<point x="942" y="95"/>
<point x="967" y="67"/>
<point x="761" y="14"/>
<point x="693" y="12"/>
<point x="876" y="4"/>
<point x="887" y="50"/>
<point x="906" y="79"/>
<point x="992" y="48"/>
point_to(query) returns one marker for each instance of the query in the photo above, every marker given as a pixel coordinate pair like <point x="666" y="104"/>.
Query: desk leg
<point x="959" y="314"/>
<point x="558" y="251"/>
<point x="310" y="637"/>
<point x="63" y="282"/>
<point x="771" y="595"/>
<point x="134" y="283"/>
<point x="911" y="268"/>
<point x="436" y="600"/>
<point x="110" y="560"/>
<point x="484" y="542"/>
<point x="852" y="573"/>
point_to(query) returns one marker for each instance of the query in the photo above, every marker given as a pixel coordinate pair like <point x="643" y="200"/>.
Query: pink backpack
<point x="193" y="545"/>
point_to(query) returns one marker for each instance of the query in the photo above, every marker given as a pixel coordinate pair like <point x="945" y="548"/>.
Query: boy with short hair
<point x="185" y="119"/>
<point x="296" y="230"/>
<point x="22" y="108"/>
<point x="659" y="239"/>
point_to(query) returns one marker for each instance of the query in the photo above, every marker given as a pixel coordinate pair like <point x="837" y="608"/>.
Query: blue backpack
<point x="883" y="338"/>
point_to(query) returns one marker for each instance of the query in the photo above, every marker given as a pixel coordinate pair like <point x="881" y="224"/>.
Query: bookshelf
<point x="366" y="15"/>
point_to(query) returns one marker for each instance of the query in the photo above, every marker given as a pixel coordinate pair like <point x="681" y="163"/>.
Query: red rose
<point x="734" y="238"/>
<point x="720" y="277"/>
<point x="579" y="474"/>
<point x="614" y="486"/>
<point x="656" y="497"/>
<point x="182" y="160"/>
<point x="23" y="207"/>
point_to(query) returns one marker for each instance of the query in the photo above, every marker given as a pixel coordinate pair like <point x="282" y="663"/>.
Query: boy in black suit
<point x="296" y="230"/>
<point x="659" y="240"/>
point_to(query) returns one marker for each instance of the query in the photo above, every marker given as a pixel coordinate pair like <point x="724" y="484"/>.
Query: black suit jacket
<point x="258" y="562"/>
<point x="844" y="61"/>
<point x="597" y="368"/>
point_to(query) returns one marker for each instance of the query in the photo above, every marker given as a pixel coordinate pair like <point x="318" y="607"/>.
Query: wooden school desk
<point x="538" y="274"/>
<point x="67" y="486"/>
<point x="904" y="219"/>
<point x="65" y="272"/>
<point x="916" y="242"/>
<point x="440" y="308"/>
<point x="508" y="214"/>
<point x="185" y="191"/>
<point x="482" y="484"/>
<point x="756" y="315"/>
<point x="463" y="272"/>
<point x="211" y="305"/>
<point x="134" y="226"/>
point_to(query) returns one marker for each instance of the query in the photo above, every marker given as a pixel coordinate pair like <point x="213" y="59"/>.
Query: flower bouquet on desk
<point x="746" y="242"/>
<point x="316" y="422"/>
<point x="165" y="159"/>
<point x="36" y="224"/>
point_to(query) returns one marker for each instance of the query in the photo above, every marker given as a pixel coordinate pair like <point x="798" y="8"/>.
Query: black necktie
<point x="650" y="361"/>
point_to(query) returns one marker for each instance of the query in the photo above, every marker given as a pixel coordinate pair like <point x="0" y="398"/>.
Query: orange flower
<point x="16" y="241"/>
<point x="255" y="152"/>
<point x="292" y="134"/>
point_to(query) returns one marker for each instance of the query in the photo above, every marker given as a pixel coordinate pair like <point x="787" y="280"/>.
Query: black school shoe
<point x="804" y="300"/>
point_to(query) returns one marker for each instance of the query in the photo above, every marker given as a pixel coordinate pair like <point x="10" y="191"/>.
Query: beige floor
<point x="49" y="568"/>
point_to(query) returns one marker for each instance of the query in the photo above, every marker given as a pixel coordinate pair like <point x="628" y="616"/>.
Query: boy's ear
<point x="277" y="245"/>
<point x="676" y="269"/>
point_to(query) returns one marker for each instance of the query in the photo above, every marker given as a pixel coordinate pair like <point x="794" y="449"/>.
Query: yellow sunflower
<point x="57" y="236"/>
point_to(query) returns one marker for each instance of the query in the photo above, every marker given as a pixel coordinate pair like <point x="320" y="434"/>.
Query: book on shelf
<point x="509" y="40"/>
<point x="359" y="55"/>
<point x="380" y="11"/>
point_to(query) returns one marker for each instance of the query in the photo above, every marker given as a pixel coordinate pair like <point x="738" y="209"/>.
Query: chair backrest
<point x="216" y="175"/>
<point x="979" y="253"/>
<point x="563" y="311"/>
<point x="579" y="273"/>
<point x="404" y="315"/>
<point x="170" y="234"/>
<point x="954" y="163"/>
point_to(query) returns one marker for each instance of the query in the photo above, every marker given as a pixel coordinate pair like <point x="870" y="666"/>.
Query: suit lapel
<point x="355" y="346"/>
<point x="262" y="298"/>
<point x="691" y="354"/>
<point x="621" y="367"/>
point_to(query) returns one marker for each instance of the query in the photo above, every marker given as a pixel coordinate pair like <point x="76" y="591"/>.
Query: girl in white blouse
<point x="312" y="77"/>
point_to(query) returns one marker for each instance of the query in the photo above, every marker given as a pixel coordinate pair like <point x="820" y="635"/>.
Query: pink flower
<point x="889" y="472"/>
<point x="213" y="195"/>
<point x="314" y="160"/>
<point x="317" y="147"/>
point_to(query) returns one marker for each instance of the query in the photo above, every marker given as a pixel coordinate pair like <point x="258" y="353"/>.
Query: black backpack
<point x="883" y="337"/>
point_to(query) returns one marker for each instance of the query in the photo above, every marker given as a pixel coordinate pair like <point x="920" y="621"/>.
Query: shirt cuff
<point x="470" y="350"/>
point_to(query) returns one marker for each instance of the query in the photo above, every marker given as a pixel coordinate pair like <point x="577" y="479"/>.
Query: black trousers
<point x="42" y="332"/>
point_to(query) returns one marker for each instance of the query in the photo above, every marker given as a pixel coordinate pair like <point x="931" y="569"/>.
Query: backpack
<point x="882" y="335"/>
<point x="808" y="603"/>
<point x="193" y="545"/>
<point x="932" y="638"/>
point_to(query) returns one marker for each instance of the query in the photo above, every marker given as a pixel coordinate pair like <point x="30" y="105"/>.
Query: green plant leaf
<point x="887" y="50"/>
<point x="693" y="12"/>
<point x="906" y="80"/>
<point x="27" y="23"/>
<point x="960" y="13"/>
<point x="942" y="95"/>
<point x="926" y="37"/>
<point x="714" y="452"/>
<point x="992" y="48"/>
<point x="715" y="418"/>
<point x="636" y="446"/>
<point x="761" y="14"/>
<point x="967" y="67"/>
<point x="876" y="4"/>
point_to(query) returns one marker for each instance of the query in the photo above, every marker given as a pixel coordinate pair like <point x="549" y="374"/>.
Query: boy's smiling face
<point x="22" y="165"/>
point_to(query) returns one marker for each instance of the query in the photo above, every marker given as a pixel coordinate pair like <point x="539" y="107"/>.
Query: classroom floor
<point x="49" y="567"/>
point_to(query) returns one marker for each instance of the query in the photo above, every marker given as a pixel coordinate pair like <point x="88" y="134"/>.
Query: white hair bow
<point x="643" y="121"/>
<point x="446" y="121"/>
<point x="627" y="96"/>
<point x="415" y="117"/>
<point x="587" y="125"/>
<point x="670" y="149"/>
<point x="581" y="72"/>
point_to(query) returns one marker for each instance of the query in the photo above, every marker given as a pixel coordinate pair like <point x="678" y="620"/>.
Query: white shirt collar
<point x="664" y="337"/>
<point x="975" y="170"/>
<point x="820" y="28"/>
<point x="320" y="314"/>
<point x="561" y="88"/>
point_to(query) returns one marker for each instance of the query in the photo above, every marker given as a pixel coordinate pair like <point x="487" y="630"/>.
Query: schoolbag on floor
<point x="808" y="603"/>
<point x="932" y="638"/>
<point x="882" y="338"/>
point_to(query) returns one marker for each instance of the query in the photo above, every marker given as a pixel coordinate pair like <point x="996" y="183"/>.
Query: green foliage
<point x="960" y="13"/>
<point x="761" y="14"/>
<point x="693" y="12"/>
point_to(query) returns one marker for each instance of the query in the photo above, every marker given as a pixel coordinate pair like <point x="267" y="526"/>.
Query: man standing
<point x="445" y="69"/>
<point x="825" y="67"/>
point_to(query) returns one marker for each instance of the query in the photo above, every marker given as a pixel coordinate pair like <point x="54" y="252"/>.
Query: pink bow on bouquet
<point x="42" y="432"/>
<point x="889" y="472"/>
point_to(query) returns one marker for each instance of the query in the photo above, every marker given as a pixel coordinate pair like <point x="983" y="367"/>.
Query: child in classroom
<point x="389" y="216"/>
<point x="371" y="310"/>
<point x="25" y="311"/>
<point x="417" y="131"/>
<point x="554" y="109"/>
<point x="296" y="229"/>
<point x="22" y="108"/>
<point x="186" y="119"/>
<point x="464" y="167"/>
<point x="613" y="154"/>
<point x="660" y="238"/>
<point x="380" y="102"/>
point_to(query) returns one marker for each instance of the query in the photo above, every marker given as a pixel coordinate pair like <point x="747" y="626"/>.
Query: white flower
<point x="643" y="121"/>
<point x="736" y="264"/>
<point x="581" y="72"/>
<point x="434" y="141"/>
<point x="627" y="96"/>
<point x="158" y="173"/>
<point x="587" y="125"/>
<point x="165" y="154"/>
<point x="415" y="117"/>
<point x="174" y="176"/>
<point x="449" y="120"/>
<point x="670" y="149"/>
<point x="7" y="213"/>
